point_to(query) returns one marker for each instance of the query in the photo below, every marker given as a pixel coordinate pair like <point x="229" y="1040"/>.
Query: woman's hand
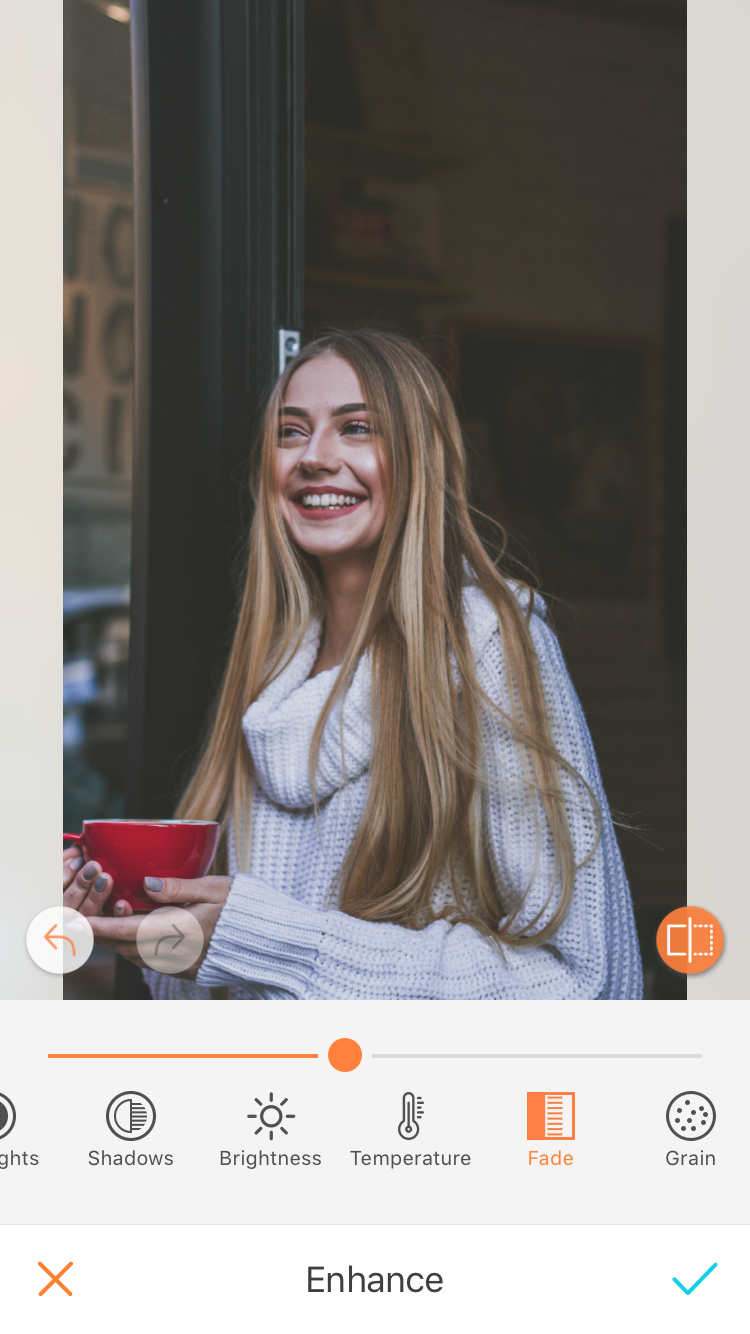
<point x="72" y="862"/>
<point x="85" y="888"/>
<point x="91" y="888"/>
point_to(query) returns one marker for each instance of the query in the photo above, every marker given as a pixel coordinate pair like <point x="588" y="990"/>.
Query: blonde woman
<point x="409" y="799"/>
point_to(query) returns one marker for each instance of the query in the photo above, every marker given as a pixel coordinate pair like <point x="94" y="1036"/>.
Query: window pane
<point x="98" y="417"/>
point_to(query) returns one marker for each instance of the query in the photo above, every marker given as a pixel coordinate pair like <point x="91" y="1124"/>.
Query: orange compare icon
<point x="690" y="940"/>
<point x="550" y="1115"/>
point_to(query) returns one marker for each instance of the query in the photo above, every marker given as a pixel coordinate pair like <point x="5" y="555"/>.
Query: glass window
<point x="98" y="418"/>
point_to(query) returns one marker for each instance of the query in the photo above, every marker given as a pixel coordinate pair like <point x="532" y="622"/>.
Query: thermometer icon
<point x="411" y="1111"/>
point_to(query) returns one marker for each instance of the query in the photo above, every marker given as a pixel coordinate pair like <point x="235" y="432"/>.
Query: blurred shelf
<point x="333" y="153"/>
<point x="400" y="288"/>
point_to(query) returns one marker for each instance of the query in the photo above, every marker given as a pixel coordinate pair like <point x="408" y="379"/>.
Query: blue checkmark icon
<point x="698" y="1281"/>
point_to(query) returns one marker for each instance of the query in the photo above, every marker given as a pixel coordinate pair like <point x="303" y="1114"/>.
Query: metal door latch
<point x="289" y="346"/>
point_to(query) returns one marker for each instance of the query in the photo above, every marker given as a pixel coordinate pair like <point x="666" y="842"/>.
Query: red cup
<point x="129" y="850"/>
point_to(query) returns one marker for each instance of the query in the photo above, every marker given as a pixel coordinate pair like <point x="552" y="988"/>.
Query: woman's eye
<point x="289" y="432"/>
<point x="356" y="428"/>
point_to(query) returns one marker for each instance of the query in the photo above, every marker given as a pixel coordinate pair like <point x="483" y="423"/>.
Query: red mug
<point x="129" y="850"/>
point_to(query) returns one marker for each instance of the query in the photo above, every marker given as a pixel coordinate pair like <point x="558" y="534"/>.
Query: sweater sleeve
<point x="267" y="938"/>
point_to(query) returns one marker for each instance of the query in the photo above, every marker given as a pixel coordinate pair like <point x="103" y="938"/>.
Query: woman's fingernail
<point x="76" y="865"/>
<point x="101" y="884"/>
<point x="90" y="871"/>
<point x="156" y="886"/>
<point x="119" y="909"/>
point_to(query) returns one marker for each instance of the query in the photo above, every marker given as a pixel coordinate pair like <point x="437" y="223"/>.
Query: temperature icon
<point x="411" y="1113"/>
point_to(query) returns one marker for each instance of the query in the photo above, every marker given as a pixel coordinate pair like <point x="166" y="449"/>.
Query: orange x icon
<point x="55" y="1278"/>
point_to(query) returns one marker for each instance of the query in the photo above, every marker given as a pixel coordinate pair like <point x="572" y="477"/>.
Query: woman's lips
<point x="329" y="512"/>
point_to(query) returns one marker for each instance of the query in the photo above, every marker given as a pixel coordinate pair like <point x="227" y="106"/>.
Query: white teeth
<point x="328" y="501"/>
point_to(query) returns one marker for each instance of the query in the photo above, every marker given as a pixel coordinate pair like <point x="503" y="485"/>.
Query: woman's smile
<point x="326" y="502"/>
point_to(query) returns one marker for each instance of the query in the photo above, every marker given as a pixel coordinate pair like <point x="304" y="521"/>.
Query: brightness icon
<point x="271" y="1116"/>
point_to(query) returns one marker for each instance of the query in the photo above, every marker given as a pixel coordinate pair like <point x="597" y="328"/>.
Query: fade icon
<point x="550" y="1115"/>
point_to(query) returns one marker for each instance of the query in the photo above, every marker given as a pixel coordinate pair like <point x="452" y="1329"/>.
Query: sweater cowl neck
<point x="279" y="726"/>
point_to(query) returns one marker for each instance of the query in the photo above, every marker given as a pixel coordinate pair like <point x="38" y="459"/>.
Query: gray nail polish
<point x="155" y="885"/>
<point x="101" y="884"/>
<point x="119" y="909"/>
<point x="90" y="871"/>
<point x="76" y="865"/>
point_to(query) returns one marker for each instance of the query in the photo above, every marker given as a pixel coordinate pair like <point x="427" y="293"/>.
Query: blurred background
<point x="504" y="180"/>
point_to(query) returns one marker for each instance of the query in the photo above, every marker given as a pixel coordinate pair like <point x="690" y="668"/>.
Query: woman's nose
<point x="321" y="453"/>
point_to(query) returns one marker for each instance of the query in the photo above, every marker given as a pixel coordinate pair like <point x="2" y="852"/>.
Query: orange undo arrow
<point x="48" y="936"/>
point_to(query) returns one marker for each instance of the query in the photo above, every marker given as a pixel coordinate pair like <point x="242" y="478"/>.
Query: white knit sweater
<point x="280" y="935"/>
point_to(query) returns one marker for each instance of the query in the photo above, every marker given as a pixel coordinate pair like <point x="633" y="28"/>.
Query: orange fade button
<point x="550" y="1115"/>
<point x="690" y="940"/>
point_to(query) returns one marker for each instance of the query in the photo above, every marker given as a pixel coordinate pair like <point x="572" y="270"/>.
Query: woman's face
<point x="328" y="481"/>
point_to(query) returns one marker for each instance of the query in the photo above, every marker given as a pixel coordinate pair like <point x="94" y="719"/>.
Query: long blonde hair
<point x="423" y="816"/>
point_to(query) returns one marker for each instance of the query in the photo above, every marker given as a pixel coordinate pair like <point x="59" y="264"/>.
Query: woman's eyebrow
<point x="335" y="412"/>
<point x="349" y="407"/>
